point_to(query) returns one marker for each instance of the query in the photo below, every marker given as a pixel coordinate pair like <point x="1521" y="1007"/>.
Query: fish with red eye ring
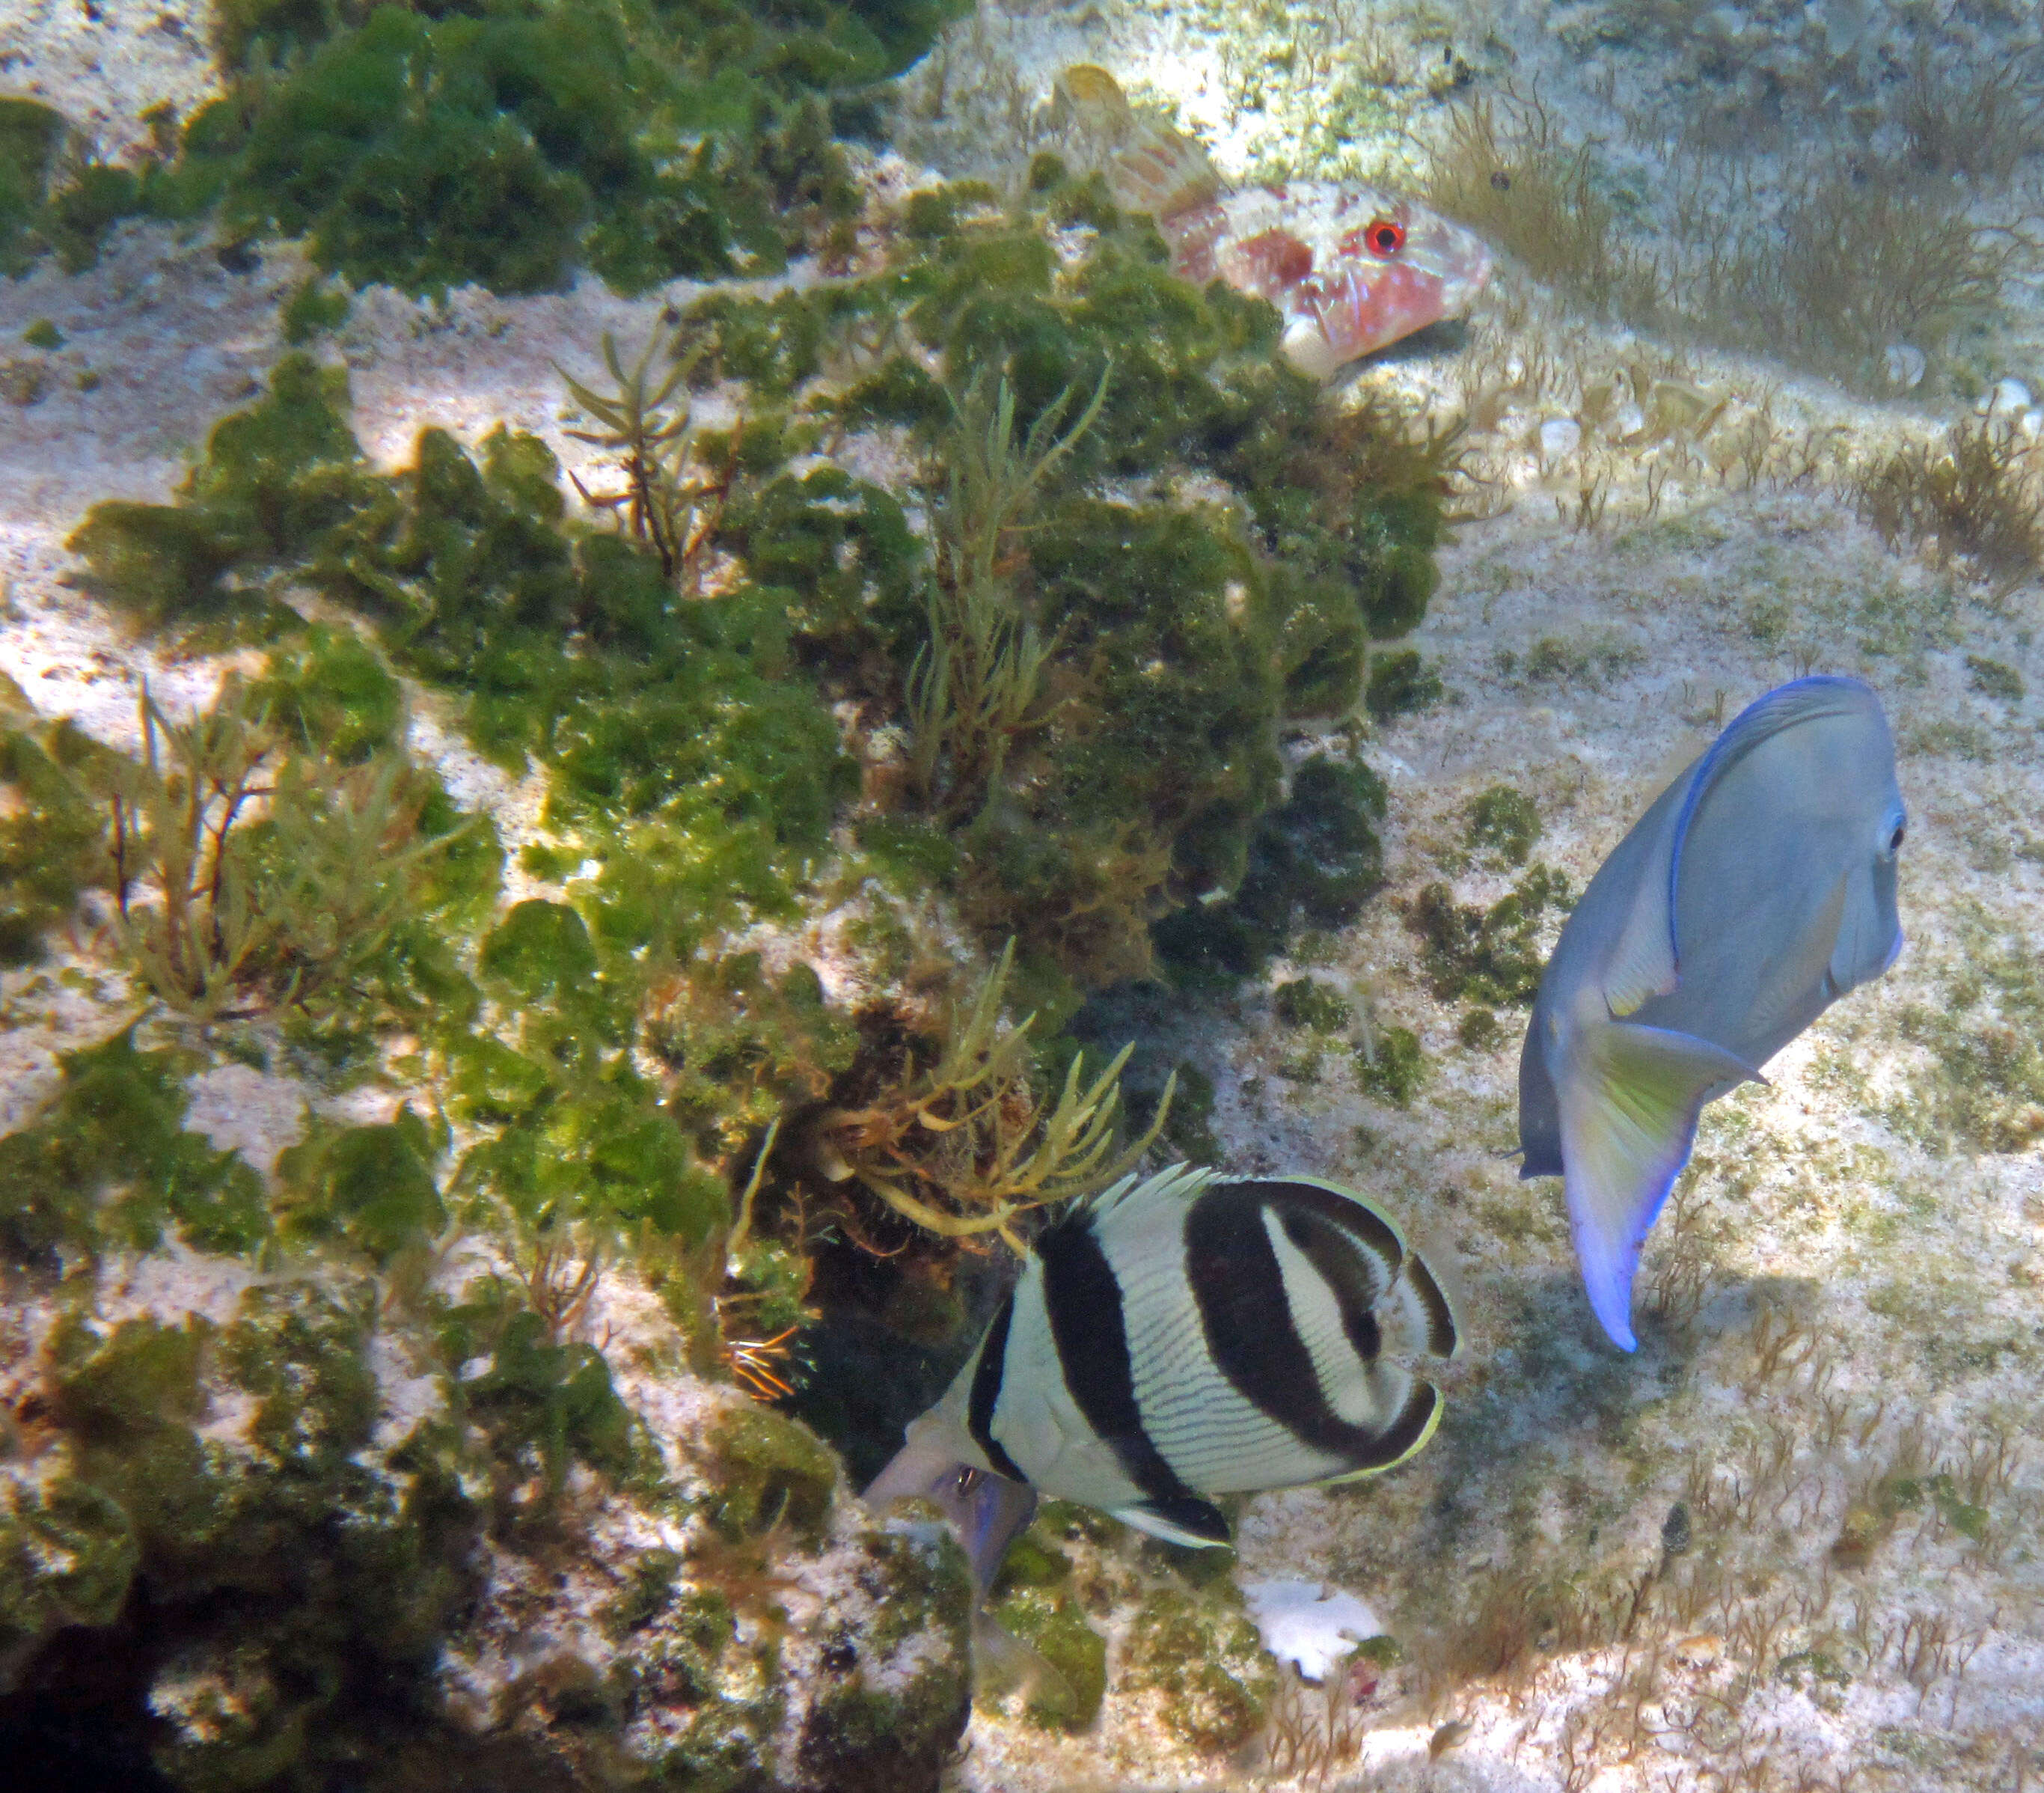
<point x="1351" y="269"/>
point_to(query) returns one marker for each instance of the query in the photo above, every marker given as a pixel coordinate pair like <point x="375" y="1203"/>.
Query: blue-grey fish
<point x="1758" y="889"/>
<point x="1179" y="1337"/>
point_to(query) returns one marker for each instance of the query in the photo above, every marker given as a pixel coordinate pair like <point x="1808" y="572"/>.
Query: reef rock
<point x="255" y="1524"/>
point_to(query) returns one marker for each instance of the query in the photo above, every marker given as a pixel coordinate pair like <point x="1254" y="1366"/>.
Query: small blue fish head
<point x="988" y="1512"/>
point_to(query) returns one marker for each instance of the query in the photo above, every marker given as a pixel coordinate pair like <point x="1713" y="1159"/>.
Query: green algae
<point x="1400" y="685"/>
<point x="473" y="581"/>
<point x="541" y="1399"/>
<point x="1249" y="615"/>
<point x="1492" y="956"/>
<point x="1201" y="1653"/>
<point x="741" y="1047"/>
<point x="218" y="1533"/>
<point x="667" y="725"/>
<point x="274" y="477"/>
<point x="573" y="1132"/>
<point x="1502" y="825"/>
<point x="1394" y="1066"/>
<point x="1314" y="860"/>
<point x="52" y="832"/>
<point x="52" y="200"/>
<point x="1303" y="1002"/>
<point x="109" y="1165"/>
<point x="770" y="1471"/>
<point x="1479" y="1031"/>
<point x="373" y="1186"/>
<point x="328" y="690"/>
<point x="1054" y="1624"/>
<point x="511" y="142"/>
<point x="315" y="308"/>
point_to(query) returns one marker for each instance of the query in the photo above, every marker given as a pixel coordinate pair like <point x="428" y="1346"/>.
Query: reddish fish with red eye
<point x="1351" y="269"/>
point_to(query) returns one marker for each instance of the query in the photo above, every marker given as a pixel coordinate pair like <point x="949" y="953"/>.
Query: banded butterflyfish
<point x="1757" y="889"/>
<point x="1179" y="1337"/>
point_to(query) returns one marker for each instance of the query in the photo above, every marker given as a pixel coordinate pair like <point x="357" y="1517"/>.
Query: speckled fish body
<point x="1313" y="249"/>
<point x="1351" y="269"/>
<point x="1759" y="888"/>
<point x="1182" y="1337"/>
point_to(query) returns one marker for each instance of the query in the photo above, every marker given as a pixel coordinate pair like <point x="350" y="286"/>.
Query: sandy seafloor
<point x="1915" y="1273"/>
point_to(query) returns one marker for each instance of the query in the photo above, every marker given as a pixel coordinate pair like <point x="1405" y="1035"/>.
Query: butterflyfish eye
<point x="1894" y="840"/>
<point x="968" y="1479"/>
<point x="1385" y="237"/>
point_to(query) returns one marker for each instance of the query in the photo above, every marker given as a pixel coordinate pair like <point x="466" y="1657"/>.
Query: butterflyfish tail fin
<point x="1630" y="1098"/>
<point x="1404" y="1439"/>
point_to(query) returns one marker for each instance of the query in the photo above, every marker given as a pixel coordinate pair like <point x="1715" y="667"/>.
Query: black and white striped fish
<point x="1180" y="1338"/>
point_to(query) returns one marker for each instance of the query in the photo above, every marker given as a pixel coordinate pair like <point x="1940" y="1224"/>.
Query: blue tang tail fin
<point x="1630" y="1097"/>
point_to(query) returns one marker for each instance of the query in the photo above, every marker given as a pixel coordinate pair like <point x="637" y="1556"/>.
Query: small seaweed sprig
<point x="173" y="829"/>
<point x="966" y="1147"/>
<point x="975" y="686"/>
<point x="668" y="500"/>
<point x="247" y="878"/>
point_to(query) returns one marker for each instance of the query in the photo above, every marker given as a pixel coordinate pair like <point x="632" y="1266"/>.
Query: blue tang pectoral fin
<point x="1630" y="1098"/>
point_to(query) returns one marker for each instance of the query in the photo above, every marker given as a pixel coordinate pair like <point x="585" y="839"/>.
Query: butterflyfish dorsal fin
<point x="1148" y="167"/>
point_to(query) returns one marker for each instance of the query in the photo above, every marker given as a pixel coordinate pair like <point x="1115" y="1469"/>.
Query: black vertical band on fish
<point x="985" y="1396"/>
<point x="1443" y="1334"/>
<point x="1083" y="1299"/>
<point x="1181" y="1337"/>
<point x="1251" y="1331"/>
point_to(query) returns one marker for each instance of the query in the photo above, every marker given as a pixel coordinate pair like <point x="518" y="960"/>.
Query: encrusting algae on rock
<point x="515" y="932"/>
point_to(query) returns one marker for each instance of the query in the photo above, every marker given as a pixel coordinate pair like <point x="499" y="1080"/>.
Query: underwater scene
<point x="1021" y="896"/>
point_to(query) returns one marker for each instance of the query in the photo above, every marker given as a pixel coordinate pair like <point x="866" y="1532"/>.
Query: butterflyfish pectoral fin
<point x="1630" y="1097"/>
<point x="1184" y="1520"/>
<point x="1003" y="1664"/>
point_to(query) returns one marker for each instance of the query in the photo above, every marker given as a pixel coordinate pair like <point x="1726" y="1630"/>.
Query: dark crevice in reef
<point x="77" y="1716"/>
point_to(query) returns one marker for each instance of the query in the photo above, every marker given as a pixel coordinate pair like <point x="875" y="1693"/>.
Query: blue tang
<point x="1756" y="891"/>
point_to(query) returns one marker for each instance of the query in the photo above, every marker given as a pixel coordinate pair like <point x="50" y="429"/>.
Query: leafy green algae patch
<point x="509" y="142"/>
<point x="1173" y="633"/>
<point x="109" y="1163"/>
